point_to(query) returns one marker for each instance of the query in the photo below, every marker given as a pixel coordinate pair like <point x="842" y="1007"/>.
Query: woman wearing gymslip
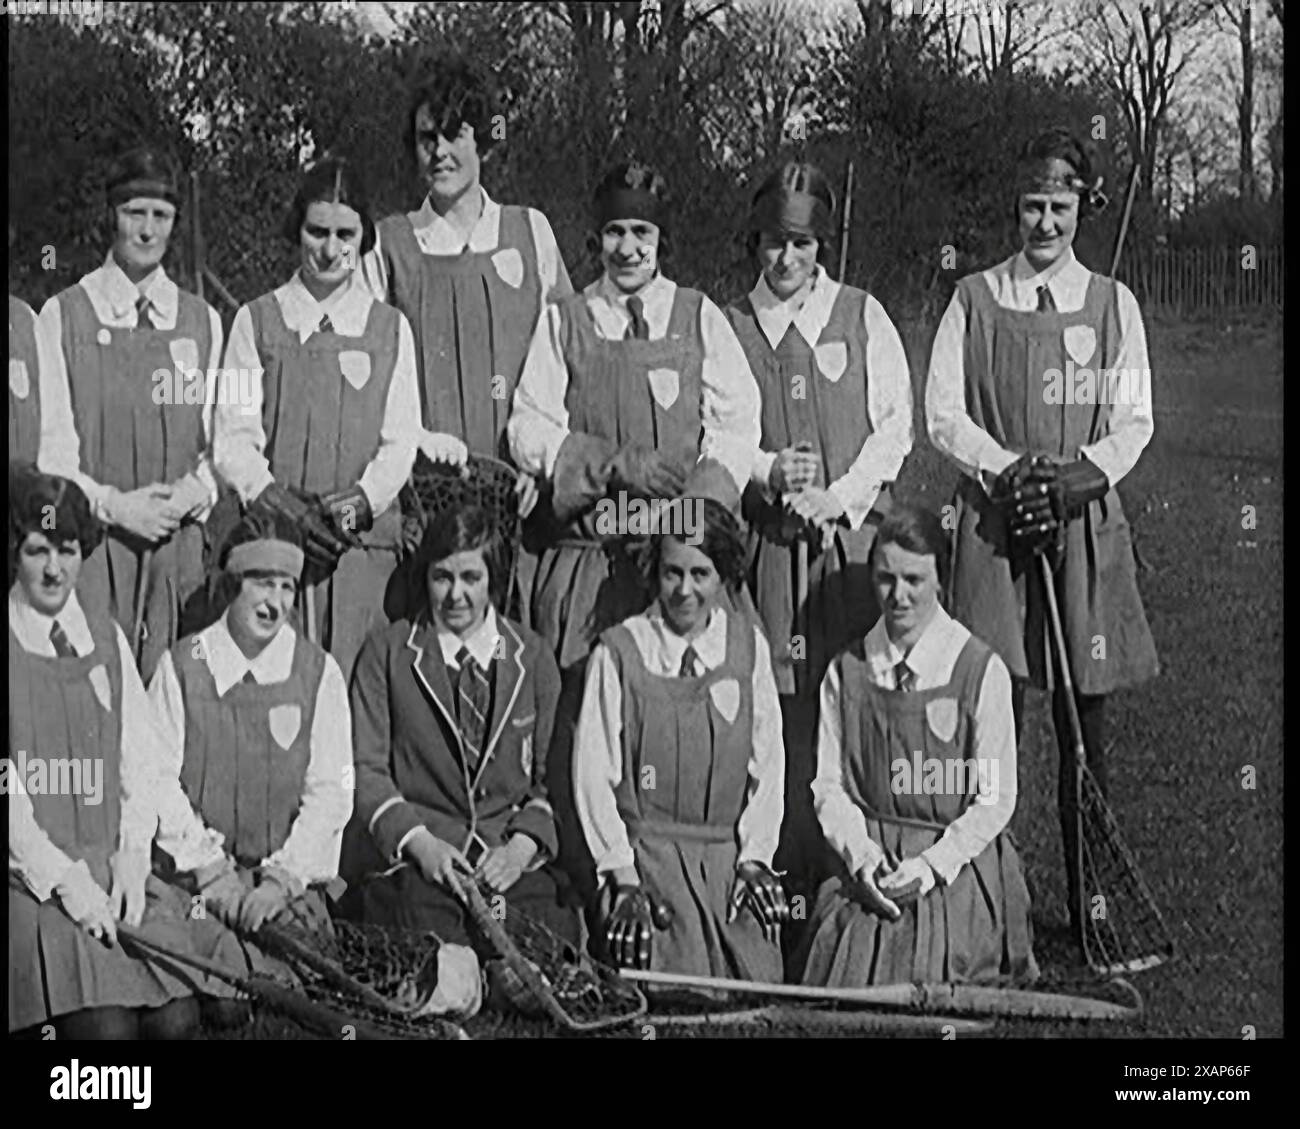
<point x="1040" y="391"/>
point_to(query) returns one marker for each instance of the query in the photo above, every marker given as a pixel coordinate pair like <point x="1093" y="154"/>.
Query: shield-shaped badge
<point x="726" y="698"/>
<point x="509" y="266"/>
<point x="19" y="384"/>
<point x="185" y="354"/>
<point x="941" y="713"/>
<point x="355" y="367"/>
<point x="103" y="691"/>
<point x="831" y="359"/>
<point x="526" y="755"/>
<point x="1080" y="341"/>
<point x="664" y="383"/>
<point x="285" y="721"/>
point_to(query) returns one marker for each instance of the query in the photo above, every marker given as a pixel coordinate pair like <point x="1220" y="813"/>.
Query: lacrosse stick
<point x="546" y="973"/>
<point x="309" y="612"/>
<point x="1130" y="935"/>
<point x="327" y="999"/>
<point x="928" y="999"/>
<point x="784" y="1018"/>
<point x="141" y="593"/>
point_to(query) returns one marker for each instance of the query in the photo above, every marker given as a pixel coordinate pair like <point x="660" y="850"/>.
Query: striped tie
<point x="689" y="656"/>
<point x="904" y="678"/>
<point x="142" y="318"/>
<point x="62" y="644"/>
<point x="1046" y="304"/>
<point x="326" y="326"/>
<point x="473" y="694"/>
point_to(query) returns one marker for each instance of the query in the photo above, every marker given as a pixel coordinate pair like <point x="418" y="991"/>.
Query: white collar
<point x="32" y="627"/>
<point x="348" y="307"/>
<point x="931" y="657"/>
<point x="228" y="664"/>
<point x="114" y="296"/>
<point x="710" y="644"/>
<point x="1066" y="271"/>
<point x="483" y="643"/>
<point x="436" y="236"/>
<point x="809" y="314"/>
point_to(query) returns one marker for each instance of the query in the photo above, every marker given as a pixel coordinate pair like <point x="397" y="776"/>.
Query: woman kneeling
<point x="915" y="786"/>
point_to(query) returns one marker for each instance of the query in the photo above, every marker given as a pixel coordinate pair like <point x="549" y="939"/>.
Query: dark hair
<point x="1058" y="143"/>
<point x="721" y="541"/>
<point x="457" y="90"/>
<point x="807" y="178"/>
<point x="143" y="171"/>
<point x="333" y="180"/>
<point x="258" y="524"/>
<point x="918" y="531"/>
<point x="465" y="530"/>
<point x="54" y="507"/>
<point x="634" y="177"/>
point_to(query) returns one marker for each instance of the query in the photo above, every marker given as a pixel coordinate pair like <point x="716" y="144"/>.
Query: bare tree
<point x="1237" y="14"/>
<point x="1141" y="49"/>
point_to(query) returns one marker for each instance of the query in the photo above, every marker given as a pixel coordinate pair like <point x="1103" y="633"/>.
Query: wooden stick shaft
<point x="220" y="288"/>
<point x="844" y="230"/>
<point x="141" y="595"/>
<point x="1129" y="197"/>
<point x="309" y="613"/>
<point x="888" y="995"/>
<point x="196" y="233"/>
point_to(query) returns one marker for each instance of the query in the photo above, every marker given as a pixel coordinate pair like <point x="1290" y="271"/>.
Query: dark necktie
<point x="1046" y="304"/>
<point x="638" y="330"/>
<point x="326" y="326"/>
<point x="142" y="318"/>
<point x="248" y="679"/>
<point x="473" y="694"/>
<point x="904" y="678"/>
<point x="689" y="657"/>
<point x="62" y="644"/>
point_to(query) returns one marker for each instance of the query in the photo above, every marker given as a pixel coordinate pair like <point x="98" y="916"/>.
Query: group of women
<point x="680" y="748"/>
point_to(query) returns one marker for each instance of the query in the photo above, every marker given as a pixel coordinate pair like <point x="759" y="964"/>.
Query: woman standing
<point x="678" y="765"/>
<point x="915" y="786"/>
<point x="79" y="854"/>
<point x="836" y="426"/>
<point x="128" y="409"/>
<point x="319" y="412"/>
<point x="1040" y="391"/>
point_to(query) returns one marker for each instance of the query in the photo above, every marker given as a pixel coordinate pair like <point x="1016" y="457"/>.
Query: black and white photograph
<point x="654" y="520"/>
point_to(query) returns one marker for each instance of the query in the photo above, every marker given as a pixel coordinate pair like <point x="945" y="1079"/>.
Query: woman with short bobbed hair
<point x="318" y="419"/>
<point x="679" y="766"/>
<point x="915" y="788"/>
<point x="836" y="426"/>
<point x="79" y="847"/>
<point x="1040" y="392"/>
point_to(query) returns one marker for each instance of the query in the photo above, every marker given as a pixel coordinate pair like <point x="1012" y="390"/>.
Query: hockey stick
<point x="349" y="1004"/>
<point x="1129" y="915"/>
<point x="930" y="999"/>
<point x="812" y="1020"/>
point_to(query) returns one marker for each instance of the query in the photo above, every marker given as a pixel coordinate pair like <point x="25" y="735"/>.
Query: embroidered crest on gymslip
<point x="1080" y="343"/>
<point x="526" y="755"/>
<point x="19" y="384"/>
<point x="99" y="683"/>
<point x="941" y="713"/>
<point x="664" y="384"/>
<point x="509" y="266"/>
<point x="726" y="698"/>
<point x="185" y="354"/>
<point x="832" y="359"/>
<point x="285" y="721"/>
<point x="355" y="367"/>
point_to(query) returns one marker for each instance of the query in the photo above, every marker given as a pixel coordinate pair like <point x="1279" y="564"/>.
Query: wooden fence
<point x="1206" y="280"/>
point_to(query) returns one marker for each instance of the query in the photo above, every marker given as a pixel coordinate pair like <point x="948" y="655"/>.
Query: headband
<point x="798" y="212"/>
<point x="147" y="187"/>
<point x="266" y="555"/>
<point x="629" y="203"/>
<point x="1052" y="174"/>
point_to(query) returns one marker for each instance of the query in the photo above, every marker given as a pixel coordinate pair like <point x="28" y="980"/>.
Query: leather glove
<point x="130" y="871"/>
<point x="646" y="473"/>
<point x="321" y="543"/>
<point x="85" y="901"/>
<point x="1006" y="483"/>
<point x="794" y="468"/>
<point x="759" y="887"/>
<point x="222" y="891"/>
<point x="912" y="879"/>
<point x="276" y="888"/>
<point x="629" y="930"/>
<point x="1051" y="496"/>
<point x="349" y="512"/>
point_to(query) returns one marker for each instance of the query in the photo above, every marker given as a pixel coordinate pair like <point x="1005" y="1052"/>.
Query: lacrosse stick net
<point x="318" y="990"/>
<point x="544" y="974"/>
<point x="1124" y="931"/>
<point x="436" y="490"/>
